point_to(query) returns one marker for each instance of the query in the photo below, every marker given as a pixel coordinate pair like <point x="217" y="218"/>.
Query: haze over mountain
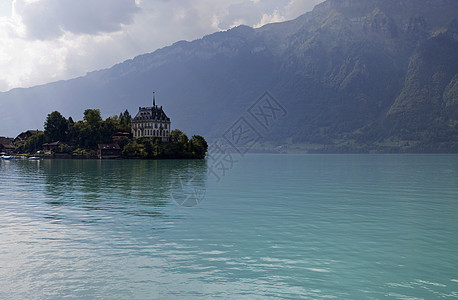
<point x="353" y="75"/>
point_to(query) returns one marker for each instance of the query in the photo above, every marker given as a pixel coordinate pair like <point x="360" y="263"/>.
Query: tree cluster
<point x="178" y="147"/>
<point x="87" y="133"/>
<point x="83" y="137"/>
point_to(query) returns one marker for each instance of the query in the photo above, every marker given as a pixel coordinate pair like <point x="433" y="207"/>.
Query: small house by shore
<point x="6" y="145"/>
<point x="54" y="146"/>
<point x="108" y="151"/>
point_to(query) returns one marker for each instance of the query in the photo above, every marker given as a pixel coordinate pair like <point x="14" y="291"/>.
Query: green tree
<point x="91" y="131"/>
<point x="83" y="137"/>
<point x="123" y="121"/>
<point x="134" y="150"/>
<point x="198" y="146"/>
<point x="180" y="139"/>
<point x="175" y="135"/>
<point x="32" y="144"/>
<point x="107" y="129"/>
<point x="93" y="117"/>
<point x="183" y="140"/>
<point x="55" y="127"/>
<point x="149" y="149"/>
<point x="64" y="148"/>
<point x="123" y="142"/>
<point x="126" y="118"/>
<point x="72" y="132"/>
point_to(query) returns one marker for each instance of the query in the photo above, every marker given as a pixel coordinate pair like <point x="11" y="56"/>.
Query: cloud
<point x="50" y="19"/>
<point x="3" y="85"/>
<point x="295" y="7"/>
<point x="276" y="16"/>
<point x="291" y="10"/>
<point x="48" y="40"/>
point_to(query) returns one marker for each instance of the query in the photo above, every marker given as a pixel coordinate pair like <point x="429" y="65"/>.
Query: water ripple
<point x="278" y="226"/>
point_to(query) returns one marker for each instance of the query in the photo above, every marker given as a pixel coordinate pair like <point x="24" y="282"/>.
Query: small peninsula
<point x="146" y="136"/>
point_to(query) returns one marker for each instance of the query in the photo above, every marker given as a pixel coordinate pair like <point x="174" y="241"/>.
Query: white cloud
<point x="48" y="40"/>
<point x="295" y="7"/>
<point x="3" y="85"/>
<point x="275" y="17"/>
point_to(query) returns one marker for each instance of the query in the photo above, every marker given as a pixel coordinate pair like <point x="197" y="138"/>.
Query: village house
<point x="25" y="135"/>
<point x="54" y="146"/>
<point x="6" y="145"/>
<point x="151" y="122"/>
<point x="108" y="151"/>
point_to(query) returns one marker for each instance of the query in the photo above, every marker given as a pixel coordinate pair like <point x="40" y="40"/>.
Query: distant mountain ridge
<point x="353" y="75"/>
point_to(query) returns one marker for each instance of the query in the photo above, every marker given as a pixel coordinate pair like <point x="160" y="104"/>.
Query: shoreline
<point x="92" y="157"/>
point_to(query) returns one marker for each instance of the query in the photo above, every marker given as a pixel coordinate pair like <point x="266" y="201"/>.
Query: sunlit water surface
<point x="274" y="226"/>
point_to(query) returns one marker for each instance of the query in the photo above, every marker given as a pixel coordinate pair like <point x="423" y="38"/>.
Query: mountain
<point x="352" y="75"/>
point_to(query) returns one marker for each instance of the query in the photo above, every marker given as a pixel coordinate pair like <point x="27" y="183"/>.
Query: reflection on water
<point x="139" y="187"/>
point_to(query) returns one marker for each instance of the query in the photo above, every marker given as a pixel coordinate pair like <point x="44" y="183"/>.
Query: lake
<point x="265" y="226"/>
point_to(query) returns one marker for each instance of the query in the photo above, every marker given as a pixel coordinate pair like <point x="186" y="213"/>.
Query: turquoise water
<point x="274" y="226"/>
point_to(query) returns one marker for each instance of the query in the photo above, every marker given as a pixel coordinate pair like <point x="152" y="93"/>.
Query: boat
<point x="34" y="158"/>
<point x="6" y="157"/>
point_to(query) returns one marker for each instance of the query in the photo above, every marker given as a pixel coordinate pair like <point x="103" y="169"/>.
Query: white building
<point x="151" y="122"/>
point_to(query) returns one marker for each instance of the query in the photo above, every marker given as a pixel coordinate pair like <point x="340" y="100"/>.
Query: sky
<point x="43" y="41"/>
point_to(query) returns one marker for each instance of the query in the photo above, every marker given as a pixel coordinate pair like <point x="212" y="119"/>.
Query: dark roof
<point x="6" y="142"/>
<point x="155" y="113"/>
<point x="108" y="147"/>
<point x="33" y="131"/>
<point x="24" y="135"/>
<point x="29" y="133"/>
